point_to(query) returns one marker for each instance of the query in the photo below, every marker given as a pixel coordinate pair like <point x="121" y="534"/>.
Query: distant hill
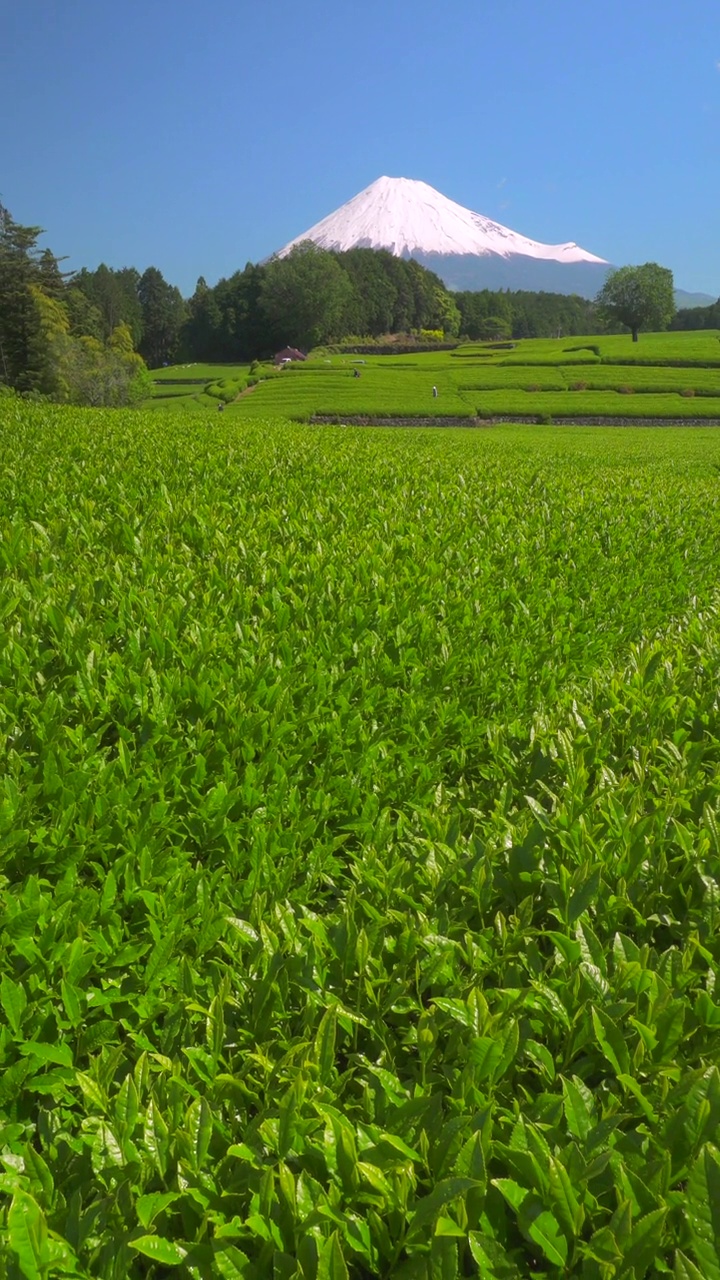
<point x="517" y="271"/>
<point x="686" y="301"/>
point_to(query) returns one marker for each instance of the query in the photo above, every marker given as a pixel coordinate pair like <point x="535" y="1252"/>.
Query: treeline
<point x="52" y="340"/>
<point x="310" y="298"/>
<point x="89" y="336"/>
<point x="314" y="297"/>
<point x="306" y="299"/>
<point x="488" y="314"/>
<point x="697" y="317"/>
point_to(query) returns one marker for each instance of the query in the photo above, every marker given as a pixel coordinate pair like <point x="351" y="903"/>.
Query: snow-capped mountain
<point x="408" y="217"/>
<point x="466" y="249"/>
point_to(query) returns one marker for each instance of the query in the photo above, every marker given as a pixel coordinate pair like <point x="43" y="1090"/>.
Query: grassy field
<point x="666" y="375"/>
<point x="360" y="850"/>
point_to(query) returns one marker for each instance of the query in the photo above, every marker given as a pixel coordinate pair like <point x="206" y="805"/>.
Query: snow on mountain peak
<point x="408" y="217"/>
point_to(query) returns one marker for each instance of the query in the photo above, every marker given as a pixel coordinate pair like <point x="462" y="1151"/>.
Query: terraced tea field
<point x="360" y="849"/>
<point x="663" y="376"/>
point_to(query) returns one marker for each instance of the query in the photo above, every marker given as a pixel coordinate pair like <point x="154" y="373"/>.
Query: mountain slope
<point x="466" y="249"/>
<point x="409" y="217"/>
<point x="689" y="301"/>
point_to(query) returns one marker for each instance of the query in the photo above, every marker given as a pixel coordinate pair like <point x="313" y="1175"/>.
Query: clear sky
<point x="196" y="137"/>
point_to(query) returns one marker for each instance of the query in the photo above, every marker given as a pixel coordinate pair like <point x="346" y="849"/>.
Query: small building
<point x="288" y="354"/>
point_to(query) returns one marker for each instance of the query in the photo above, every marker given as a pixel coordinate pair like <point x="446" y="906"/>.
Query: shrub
<point x="227" y="389"/>
<point x="279" y="609"/>
<point x="261" y="372"/>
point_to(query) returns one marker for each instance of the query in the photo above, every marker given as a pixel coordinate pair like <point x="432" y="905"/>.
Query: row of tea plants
<point x="359" y="851"/>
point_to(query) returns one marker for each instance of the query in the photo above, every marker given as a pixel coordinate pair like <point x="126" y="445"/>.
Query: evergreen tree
<point x="201" y="332"/>
<point x="85" y="318"/>
<point x="19" y="319"/>
<point x="50" y="278"/>
<point x="115" y="295"/>
<point x="163" y="316"/>
<point x="245" y="319"/>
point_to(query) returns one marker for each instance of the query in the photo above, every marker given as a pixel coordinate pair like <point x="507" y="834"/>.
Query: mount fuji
<point x="465" y="249"/>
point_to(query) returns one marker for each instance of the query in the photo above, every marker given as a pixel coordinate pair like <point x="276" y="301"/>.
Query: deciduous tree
<point x="638" y="297"/>
<point x="304" y="297"/>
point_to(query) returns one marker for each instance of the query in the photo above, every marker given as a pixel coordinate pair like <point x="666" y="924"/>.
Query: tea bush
<point x="360" y="850"/>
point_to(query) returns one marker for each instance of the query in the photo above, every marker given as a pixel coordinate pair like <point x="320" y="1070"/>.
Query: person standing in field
<point x="434" y="393"/>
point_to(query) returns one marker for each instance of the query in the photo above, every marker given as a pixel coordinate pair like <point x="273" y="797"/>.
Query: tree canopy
<point x="697" y="317"/>
<point x="163" y="314"/>
<point x="80" y="335"/>
<point x="638" y="297"/>
<point x="304" y="297"/>
<point x="486" y="314"/>
<point x="55" y="339"/>
<point x="115" y="295"/>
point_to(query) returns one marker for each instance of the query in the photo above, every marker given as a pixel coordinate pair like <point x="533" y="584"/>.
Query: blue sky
<point x="197" y="137"/>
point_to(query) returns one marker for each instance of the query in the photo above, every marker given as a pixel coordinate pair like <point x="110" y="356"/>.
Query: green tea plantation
<point x="359" y="849"/>
<point x="664" y="377"/>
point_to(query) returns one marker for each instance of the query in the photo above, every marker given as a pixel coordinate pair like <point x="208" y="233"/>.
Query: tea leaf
<point x="331" y="1263"/>
<point x="14" y="1002"/>
<point x="167" y="1252"/>
<point x="27" y="1235"/>
<point x="703" y="1198"/>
